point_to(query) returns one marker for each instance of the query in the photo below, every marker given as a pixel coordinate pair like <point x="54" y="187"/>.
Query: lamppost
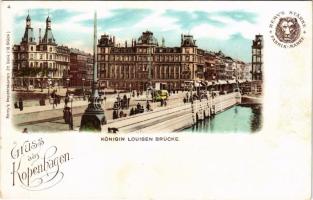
<point x="93" y="117"/>
<point x="213" y="86"/>
<point x="83" y="79"/>
<point x="149" y="84"/>
<point x="67" y="84"/>
<point x="49" y="83"/>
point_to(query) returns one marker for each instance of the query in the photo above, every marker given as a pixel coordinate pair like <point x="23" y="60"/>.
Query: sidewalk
<point x="47" y="107"/>
<point x="78" y="103"/>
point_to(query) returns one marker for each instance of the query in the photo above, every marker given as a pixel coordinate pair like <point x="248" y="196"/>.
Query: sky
<point x="228" y="30"/>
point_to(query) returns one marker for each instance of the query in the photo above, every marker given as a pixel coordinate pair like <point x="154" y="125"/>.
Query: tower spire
<point x="28" y="34"/>
<point x="48" y="36"/>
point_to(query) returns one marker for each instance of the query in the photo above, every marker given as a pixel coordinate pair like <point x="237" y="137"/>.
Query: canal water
<point x="238" y="119"/>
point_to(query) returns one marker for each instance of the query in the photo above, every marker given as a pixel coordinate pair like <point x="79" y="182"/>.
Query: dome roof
<point x="188" y="41"/>
<point x="147" y="38"/>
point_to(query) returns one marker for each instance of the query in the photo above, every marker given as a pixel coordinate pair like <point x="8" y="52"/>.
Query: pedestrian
<point x="142" y="109"/>
<point x="55" y="101"/>
<point x="115" y="105"/>
<point x="15" y="105"/>
<point x="25" y="130"/>
<point x="148" y="106"/>
<point x="67" y="99"/>
<point x="121" y="114"/>
<point x="128" y="100"/>
<point x="165" y="103"/>
<point x="66" y="114"/>
<point x="115" y="115"/>
<point x="58" y="99"/>
<point x="124" y="101"/>
<point x="53" y="94"/>
<point x="138" y="106"/>
<point x="185" y="100"/>
<point x="20" y="104"/>
<point x="132" y="112"/>
<point x="162" y="102"/>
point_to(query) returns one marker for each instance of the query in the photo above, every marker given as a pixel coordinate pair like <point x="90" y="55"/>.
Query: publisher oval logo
<point x="287" y="29"/>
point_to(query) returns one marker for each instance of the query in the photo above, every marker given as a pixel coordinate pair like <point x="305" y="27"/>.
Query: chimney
<point x="39" y="35"/>
<point x="125" y="43"/>
<point x="113" y="40"/>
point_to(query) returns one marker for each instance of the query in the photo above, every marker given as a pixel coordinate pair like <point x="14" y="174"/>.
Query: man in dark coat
<point x="20" y="104"/>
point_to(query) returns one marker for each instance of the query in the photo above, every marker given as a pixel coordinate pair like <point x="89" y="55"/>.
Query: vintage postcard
<point x="156" y="100"/>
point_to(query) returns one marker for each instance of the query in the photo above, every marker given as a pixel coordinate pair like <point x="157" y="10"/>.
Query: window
<point x="50" y="57"/>
<point x="31" y="48"/>
<point x="40" y="56"/>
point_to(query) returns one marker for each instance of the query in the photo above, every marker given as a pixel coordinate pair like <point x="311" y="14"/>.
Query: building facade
<point x="40" y="63"/>
<point x="257" y="58"/>
<point x="144" y="62"/>
<point x="81" y="68"/>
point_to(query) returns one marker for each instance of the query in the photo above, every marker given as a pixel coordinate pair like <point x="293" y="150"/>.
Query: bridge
<point x="173" y="118"/>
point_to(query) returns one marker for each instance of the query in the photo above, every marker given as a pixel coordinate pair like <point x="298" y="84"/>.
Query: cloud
<point x="214" y="30"/>
<point x="238" y="15"/>
<point x="119" y="18"/>
<point x="187" y="20"/>
<point x="236" y="46"/>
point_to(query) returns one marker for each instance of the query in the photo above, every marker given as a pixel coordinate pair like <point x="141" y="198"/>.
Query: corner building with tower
<point x="40" y="63"/>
